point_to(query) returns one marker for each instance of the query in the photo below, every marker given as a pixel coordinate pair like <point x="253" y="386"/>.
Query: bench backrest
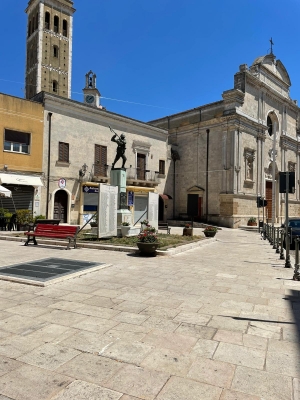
<point x="60" y="229"/>
<point x="48" y="221"/>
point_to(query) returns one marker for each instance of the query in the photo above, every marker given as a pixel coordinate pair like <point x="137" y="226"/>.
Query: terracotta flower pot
<point x="187" y="232"/>
<point x="147" y="248"/>
<point x="209" y="233"/>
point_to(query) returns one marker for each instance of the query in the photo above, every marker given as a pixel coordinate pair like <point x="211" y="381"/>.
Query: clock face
<point x="89" y="99"/>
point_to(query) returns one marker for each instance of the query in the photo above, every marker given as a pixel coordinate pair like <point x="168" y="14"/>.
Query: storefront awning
<point x="4" y="192"/>
<point x="165" y="196"/>
<point x="14" y="179"/>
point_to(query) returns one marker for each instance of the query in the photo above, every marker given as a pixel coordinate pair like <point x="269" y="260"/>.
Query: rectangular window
<point x="17" y="142"/>
<point x="161" y="167"/>
<point x="63" y="152"/>
<point x="100" y="160"/>
<point x="141" y="166"/>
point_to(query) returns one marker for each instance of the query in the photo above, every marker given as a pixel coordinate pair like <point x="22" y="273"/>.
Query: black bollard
<point x="296" y="276"/>
<point x="277" y="240"/>
<point x="274" y="237"/>
<point x="281" y="245"/>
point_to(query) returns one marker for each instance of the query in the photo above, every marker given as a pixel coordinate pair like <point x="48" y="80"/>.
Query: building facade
<point x="225" y="150"/>
<point x="21" y="153"/>
<point x="49" y="47"/>
<point x="78" y="154"/>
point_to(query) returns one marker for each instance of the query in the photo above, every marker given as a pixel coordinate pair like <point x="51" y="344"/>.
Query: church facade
<point x="223" y="152"/>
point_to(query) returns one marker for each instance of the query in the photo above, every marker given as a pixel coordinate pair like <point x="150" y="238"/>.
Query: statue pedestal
<point x="118" y="178"/>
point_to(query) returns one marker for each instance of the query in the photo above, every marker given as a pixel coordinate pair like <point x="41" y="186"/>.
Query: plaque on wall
<point x="153" y="209"/>
<point x="107" y="210"/>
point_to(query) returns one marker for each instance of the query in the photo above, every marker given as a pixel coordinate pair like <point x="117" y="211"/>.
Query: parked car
<point x="294" y="224"/>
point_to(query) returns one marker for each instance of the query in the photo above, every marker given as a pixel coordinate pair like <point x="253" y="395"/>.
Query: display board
<point x="107" y="210"/>
<point x="153" y="209"/>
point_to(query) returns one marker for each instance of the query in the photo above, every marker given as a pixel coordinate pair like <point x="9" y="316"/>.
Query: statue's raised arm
<point x="121" y="142"/>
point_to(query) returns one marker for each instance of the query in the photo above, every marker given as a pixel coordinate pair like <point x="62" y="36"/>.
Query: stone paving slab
<point x="190" y="326"/>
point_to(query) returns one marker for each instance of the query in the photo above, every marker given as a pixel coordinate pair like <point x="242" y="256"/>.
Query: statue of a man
<point x="121" y="142"/>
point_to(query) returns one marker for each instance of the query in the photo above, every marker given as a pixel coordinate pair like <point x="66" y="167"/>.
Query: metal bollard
<point x="287" y="251"/>
<point x="281" y="244"/>
<point x="277" y="240"/>
<point x="271" y="235"/>
<point x="296" y="276"/>
<point x="274" y="237"/>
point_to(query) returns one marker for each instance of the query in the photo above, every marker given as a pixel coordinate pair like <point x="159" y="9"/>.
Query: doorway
<point x="140" y="208"/>
<point x="269" y="200"/>
<point x="61" y="206"/>
<point x="161" y="209"/>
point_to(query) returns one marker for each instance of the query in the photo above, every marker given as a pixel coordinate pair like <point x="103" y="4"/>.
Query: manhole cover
<point x="46" y="269"/>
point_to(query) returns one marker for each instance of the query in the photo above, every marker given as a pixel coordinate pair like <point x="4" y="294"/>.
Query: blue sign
<point x="90" y="189"/>
<point x="130" y="197"/>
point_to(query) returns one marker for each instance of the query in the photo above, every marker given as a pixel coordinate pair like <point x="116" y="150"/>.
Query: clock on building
<point x="89" y="99"/>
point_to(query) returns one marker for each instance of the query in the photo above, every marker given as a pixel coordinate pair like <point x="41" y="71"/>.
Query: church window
<point x="47" y="20"/>
<point x="55" y="51"/>
<point x="55" y="86"/>
<point x="29" y="29"/>
<point x="56" y="24"/>
<point x="270" y="126"/>
<point x="37" y="21"/>
<point x="33" y="25"/>
<point x="65" y="27"/>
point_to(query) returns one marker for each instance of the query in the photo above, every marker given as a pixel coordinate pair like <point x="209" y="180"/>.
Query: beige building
<point x="49" y="47"/>
<point x="226" y="148"/>
<point x="78" y="154"/>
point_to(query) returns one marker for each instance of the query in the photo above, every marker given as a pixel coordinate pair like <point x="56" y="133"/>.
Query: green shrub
<point x="24" y="217"/>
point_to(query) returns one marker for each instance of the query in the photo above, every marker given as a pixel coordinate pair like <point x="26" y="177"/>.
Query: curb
<point x="169" y="252"/>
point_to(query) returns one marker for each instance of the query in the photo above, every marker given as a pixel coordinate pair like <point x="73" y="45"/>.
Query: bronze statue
<point x="121" y="142"/>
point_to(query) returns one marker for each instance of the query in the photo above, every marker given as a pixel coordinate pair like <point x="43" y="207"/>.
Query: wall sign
<point x="130" y="198"/>
<point x="62" y="183"/>
<point x="90" y="189"/>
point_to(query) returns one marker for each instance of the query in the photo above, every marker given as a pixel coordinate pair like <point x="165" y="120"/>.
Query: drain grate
<point x="46" y="269"/>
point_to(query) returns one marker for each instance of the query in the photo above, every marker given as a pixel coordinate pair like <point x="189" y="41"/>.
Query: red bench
<point x="55" y="232"/>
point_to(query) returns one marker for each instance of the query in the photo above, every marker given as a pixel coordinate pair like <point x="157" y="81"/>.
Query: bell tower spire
<point x="49" y="47"/>
<point x="90" y="92"/>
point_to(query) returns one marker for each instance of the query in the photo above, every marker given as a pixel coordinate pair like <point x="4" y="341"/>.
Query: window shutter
<point x="63" y="152"/>
<point x="100" y="160"/>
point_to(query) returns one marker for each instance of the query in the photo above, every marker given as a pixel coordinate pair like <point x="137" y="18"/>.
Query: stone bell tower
<point x="49" y="47"/>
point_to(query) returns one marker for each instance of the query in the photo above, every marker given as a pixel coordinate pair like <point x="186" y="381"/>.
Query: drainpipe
<point x="207" y="155"/>
<point x="174" y="190"/>
<point x="48" y="167"/>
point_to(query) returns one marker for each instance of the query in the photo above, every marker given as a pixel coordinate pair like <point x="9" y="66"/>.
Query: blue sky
<point x="166" y="55"/>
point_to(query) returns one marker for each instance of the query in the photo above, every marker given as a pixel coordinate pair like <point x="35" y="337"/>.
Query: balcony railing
<point x="144" y="177"/>
<point x="100" y="173"/>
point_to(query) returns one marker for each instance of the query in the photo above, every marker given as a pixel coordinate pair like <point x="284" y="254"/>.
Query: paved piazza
<point x="214" y="323"/>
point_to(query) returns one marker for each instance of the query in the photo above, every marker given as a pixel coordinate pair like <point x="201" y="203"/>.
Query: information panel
<point x="107" y="210"/>
<point x="153" y="209"/>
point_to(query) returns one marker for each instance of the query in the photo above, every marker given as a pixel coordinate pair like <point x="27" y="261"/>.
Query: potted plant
<point x="252" y="221"/>
<point x="148" y="241"/>
<point x="210" y="231"/>
<point x="144" y="224"/>
<point x="23" y="219"/>
<point x="125" y="228"/>
<point x="187" y="230"/>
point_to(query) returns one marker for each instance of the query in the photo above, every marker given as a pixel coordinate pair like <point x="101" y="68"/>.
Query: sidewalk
<point x="215" y="323"/>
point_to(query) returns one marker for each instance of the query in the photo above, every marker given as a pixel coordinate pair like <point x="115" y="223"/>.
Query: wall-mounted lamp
<point x="83" y="170"/>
